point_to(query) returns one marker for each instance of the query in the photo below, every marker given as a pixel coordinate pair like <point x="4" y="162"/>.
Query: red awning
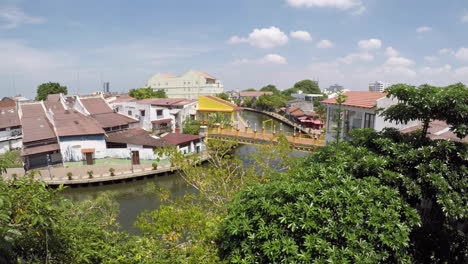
<point x="161" y="121"/>
<point x="87" y="151"/>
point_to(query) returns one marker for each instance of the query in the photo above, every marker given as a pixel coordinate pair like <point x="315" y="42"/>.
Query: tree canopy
<point x="426" y="103"/>
<point x="223" y="96"/>
<point x="191" y="126"/>
<point x="45" y="89"/>
<point x="144" y="93"/>
<point x="270" y="88"/>
<point x="307" y="86"/>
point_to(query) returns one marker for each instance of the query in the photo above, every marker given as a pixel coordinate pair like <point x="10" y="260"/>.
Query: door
<point x="135" y="157"/>
<point x="89" y="159"/>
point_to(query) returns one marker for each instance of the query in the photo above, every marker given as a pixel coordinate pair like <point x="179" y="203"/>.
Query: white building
<point x="359" y="112"/>
<point x="10" y="127"/>
<point x="378" y="86"/>
<point x="159" y="115"/>
<point x="304" y="101"/>
<point x="189" y="86"/>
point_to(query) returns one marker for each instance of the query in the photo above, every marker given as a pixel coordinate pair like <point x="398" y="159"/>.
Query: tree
<point x="340" y="99"/>
<point x="145" y="93"/>
<point x="249" y="90"/>
<point x="191" y="126"/>
<point x="317" y="214"/>
<point x="223" y="96"/>
<point x="270" y="102"/>
<point x="270" y="88"/>
<point x="307" y="86"/>
<point x="426" y="103"/>
<point x="45" y="89"/>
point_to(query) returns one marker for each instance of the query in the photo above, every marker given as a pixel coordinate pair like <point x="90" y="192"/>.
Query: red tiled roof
<point x="53" y="103"/>
<point x="219" y="100"/>
<point x="161" y="121"/>
<point x="7" y="103"/>
<point x="35" y="124"/>
<point x="122" y="98"/>
<point x="107" y="120"/>
<point x="73" y="123"/>
<point x="206" y="75"/>
<point x="177" y="139"/>
<point x="136" y="136"/>
<point x="40" y="149"/>
<point x="298" y="112"/>
<point x="437" y="130"/>
<point x="9" y="115"/>
<point x="358" y="99"/>
<point x="254" y="94"/>
<point x="292" y="109"/>
<point x="96" y="105"/>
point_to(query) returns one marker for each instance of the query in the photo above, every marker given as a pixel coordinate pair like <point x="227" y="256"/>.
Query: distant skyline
<point x="244" y="43"/>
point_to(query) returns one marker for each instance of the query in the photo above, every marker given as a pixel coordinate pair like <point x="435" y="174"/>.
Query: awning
<point x="162" y="121"/>
<point x="174" y="111"/>
<point x="40" y="149"/>
<point x="87" y="151"/>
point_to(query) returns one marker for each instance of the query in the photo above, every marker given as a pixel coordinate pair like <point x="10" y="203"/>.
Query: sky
<point x="244" y="43"/>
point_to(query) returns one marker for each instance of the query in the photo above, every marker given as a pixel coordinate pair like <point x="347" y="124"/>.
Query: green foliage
<point x="69" y="175"/>
<point x="318" y="214"/>
<point x="145" y="93"/>
<point x="270" y="102"/>
<point x="112" y="171"/>
<point x="11" y="159"/>
<point x="270" y="88"/>
<point x="45" y="89"/>
<point x="340" y="99"/>
<point x="429" y="175"/>
<point x="90" y="173"/>
<point x="307" y="86"/>
<point x="218" y="118"/>
<point x="249" y="90"/>
<point x="248" y="102"/>
<point x="191" y="126"/>
<point x="223" y="96"/>
<point x="426" y="103"/>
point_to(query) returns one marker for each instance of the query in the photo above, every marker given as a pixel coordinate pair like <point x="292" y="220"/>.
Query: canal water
<point x="134" y="198"/>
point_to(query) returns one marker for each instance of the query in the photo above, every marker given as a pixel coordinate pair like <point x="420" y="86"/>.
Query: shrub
<point x="155" y="165"/>
<point x="90" y="173"/>
<point x="112" y="171"/>
<point x="69" y="174"/>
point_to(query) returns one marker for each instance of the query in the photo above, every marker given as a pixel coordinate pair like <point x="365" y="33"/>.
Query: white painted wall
<point x="190" y="85"/>
<point x="121" y="153"/>
<point x="9" y="145"/>
<point x="71" y="149"/>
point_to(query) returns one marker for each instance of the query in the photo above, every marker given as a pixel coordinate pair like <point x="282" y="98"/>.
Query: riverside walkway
<point x="55" y="176"/>
<point x="283" y="119"/>
<point x="299" y="142"/>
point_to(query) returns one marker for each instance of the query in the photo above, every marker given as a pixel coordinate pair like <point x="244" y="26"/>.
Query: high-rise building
<point x="189" y="86"/>
<point x="378" y="86"/>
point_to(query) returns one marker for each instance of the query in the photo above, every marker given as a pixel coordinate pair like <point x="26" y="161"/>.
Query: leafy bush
<point x="90" y="173"/>
<point x="70" y="175"/>
<point x="112" y="171"/>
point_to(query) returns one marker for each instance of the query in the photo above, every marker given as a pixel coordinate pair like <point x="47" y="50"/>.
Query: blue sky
<point x="244" y="43"/>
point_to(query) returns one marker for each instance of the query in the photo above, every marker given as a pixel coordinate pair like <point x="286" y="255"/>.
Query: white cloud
<point x="464" y="18"/>
<point x="300" y="34"/>
<point x="462" y="54"/>
<point x="264" y="38"/>
<point x="268" y="59"/>
<point x="430" y="58"/>
<point x="325" y="44"/>
<point x="12" y="17"/>
<point x="433" y="71"/>
<point x="446" y="51"/>
<point x="462" y="72"/>
<point x="399" y="61"/>
<point x="356" y="57"/>
<point x="423" y="29"/>
<point x="340" y="4"/>
<point x="391" y="52"/>
<point x="369" y="44"/>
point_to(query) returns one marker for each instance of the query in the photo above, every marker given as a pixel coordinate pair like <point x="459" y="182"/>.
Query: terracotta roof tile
<point x="206" y="75"/>
<point x="437" y="130"/>
<point x="35" y="124"/>
<point x="108" y="120"/>
<point x="73" y="123"/>
<point x="96" y="105"/>
<point x="161" y="121"/>
<point x="136" y="136"/>
<point x="9" y="115"/>
<point x="40" y="149"/>
<point x="177" y="139"/>
<point x="358" y="99"/>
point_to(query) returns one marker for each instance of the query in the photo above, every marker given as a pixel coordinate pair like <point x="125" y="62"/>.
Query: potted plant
<point x="112" y="171"/>
<point x="155" y="165"/>
<point x="14" y="176"/>
<point x="90" y="173"/>
<point x="69" y="174"/>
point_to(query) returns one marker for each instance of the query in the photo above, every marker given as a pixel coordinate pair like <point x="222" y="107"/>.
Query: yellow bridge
<point x="299" y="142"/>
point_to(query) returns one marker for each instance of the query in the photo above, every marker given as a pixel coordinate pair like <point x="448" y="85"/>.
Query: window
<point x="369" y="120"/>
<point x="159" y="112"/>
<point x="130" y="113"/>
<point x="142" y="112"/>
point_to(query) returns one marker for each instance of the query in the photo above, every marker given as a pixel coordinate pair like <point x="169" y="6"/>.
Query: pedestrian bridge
<point x="299" y="142"/>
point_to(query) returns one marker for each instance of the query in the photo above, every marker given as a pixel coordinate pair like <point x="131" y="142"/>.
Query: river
<point x="133" y="197"/>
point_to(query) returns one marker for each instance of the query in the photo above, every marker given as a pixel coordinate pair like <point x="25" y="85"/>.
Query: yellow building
<point x="209" y="105"/>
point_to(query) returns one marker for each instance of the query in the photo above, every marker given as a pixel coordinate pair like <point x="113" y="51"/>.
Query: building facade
<point x="210" y="106"/>
<point x="378" y="86"/>
<point x="189" y="86"/>
<point x="359" y="111"/>
<point x="11" y="133"/>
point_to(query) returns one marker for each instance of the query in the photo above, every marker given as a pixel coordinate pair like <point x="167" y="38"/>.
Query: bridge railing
<point x="264" y="134"/>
